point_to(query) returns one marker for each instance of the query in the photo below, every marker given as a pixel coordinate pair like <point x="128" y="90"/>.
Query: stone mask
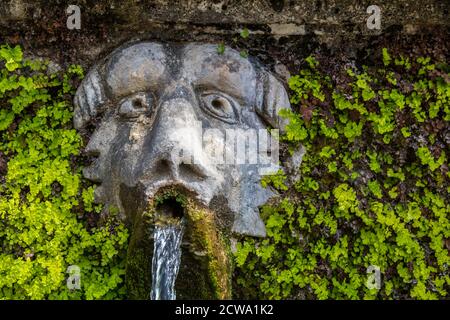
<point x="159" y="110"/>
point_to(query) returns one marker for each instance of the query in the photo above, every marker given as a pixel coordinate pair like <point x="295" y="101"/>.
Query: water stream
<point x="166" y="261"/>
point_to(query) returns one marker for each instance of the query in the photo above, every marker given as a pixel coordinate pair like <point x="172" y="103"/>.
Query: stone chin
<point x="162" y="110"/>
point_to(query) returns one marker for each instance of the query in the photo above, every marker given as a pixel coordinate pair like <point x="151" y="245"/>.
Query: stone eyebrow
<point x="222" y="84"/>
<point x="202" y="68"/>
<point x="258" y="88"/>
<point x="238" y="85"/>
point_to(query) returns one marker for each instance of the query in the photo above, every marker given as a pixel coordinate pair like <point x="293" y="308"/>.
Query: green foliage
<point x="386" y="57"/>
<point x="221" y="48"/>
<point x="277" y="180"/>
<point x="45" y="206"/>
<point x="373" y="189"/>
<point x="307" y="83"/>
<point x="243" y="53"/>
<point x="427" y="158"/>
<point x="11" y="56"/>
<point x="245" y="33"/>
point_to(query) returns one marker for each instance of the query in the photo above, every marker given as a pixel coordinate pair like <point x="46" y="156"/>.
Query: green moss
<point x="204" y="236"/>
<point x="138" y="275"/>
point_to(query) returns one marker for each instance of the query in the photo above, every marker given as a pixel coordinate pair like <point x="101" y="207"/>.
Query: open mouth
<point x="170" y="208"/>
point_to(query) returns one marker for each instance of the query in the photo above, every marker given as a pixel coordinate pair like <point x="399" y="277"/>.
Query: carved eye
<point x="219" y="106"/>
<point x="135" y="105"/>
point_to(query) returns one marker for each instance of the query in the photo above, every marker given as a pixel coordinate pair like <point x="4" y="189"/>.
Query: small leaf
<point x="220" y="48"/>
<point x="245" y="33"/>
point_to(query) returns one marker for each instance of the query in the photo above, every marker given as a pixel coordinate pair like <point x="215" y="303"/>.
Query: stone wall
<point x="298" y="25"/>
<point x="272" y="16"/>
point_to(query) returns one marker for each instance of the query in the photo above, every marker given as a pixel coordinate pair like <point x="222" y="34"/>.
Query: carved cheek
<point x="135" y="147"/>
<point x="124" y="155"/>
<point x="213" y="146"/>
<point x="138" y="130"/>
<point x="99" y="146"/>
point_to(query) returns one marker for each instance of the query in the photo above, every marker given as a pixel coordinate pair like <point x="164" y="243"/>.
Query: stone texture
<point x="285" y="13"/>
<point x="106" y="24"/>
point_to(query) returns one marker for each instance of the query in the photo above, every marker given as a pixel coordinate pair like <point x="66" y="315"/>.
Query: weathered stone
<point x="132" y="13"/>
<point x="13" y="10"/>
<point x="163" y="107"/>
<point x="293" y="163"/>
<point x="285" y="29"/>
<point x="332" y="27"/>
<point x="40" y="26"/>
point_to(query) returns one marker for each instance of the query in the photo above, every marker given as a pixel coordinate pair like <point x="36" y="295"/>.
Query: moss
<point x="138" y="273"/>
<point x="138" y="265"/>
<point x="204" y="236"/>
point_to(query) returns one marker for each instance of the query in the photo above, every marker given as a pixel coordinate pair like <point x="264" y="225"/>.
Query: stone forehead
<point x="206" y="59"/>
<point x="136" y="66"/>
<point x="229" y="69"/>
<point x="145" y="64"/>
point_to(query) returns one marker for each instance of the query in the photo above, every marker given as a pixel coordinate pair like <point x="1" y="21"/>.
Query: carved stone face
<point x="167" y="116"/>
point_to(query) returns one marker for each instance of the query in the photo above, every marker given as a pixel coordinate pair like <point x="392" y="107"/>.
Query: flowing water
<point x="166" y="261"/>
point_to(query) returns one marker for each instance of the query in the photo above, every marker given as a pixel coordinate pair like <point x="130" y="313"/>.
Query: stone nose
<point x="173" y="148"/>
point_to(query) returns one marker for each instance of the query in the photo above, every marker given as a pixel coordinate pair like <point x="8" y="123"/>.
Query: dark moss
<point x="138" y="265"/>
